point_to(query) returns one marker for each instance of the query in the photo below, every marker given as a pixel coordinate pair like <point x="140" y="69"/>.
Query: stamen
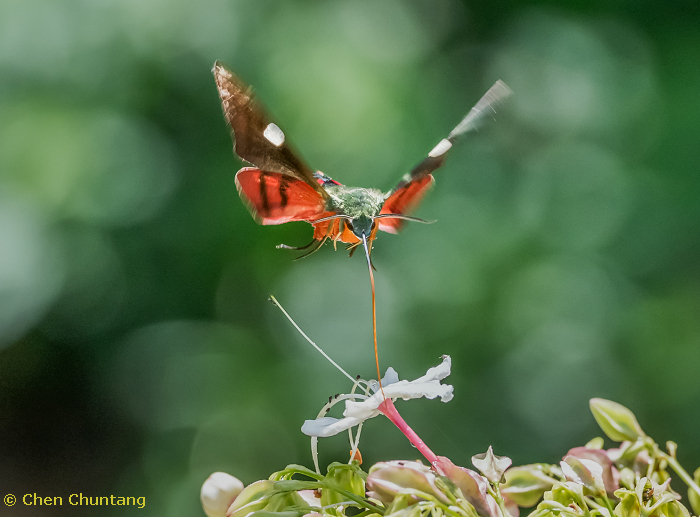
<point x="352" y="379"/>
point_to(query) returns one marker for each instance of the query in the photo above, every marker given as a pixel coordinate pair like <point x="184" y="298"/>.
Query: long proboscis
<point x="374" y="312"/>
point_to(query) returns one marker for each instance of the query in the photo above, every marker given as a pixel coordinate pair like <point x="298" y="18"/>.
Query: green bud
<point x="343" y="476"/>
<point x="671" y="447"/>
<point x="693" y="496"/>
<point x="628" y="505"/>
<point x="595" y="443"/>
<point x="566" y="494"/>
<point x="675" y="509"/>
<point x="627" y="478"/>
<point x="618" y="422"/>
<point x="491" y="466"/>
<point x="389" y="479"/>
<point x="254" y="497"/>
<point x="525" y="485"/>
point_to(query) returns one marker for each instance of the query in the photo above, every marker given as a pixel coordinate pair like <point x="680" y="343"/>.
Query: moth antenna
<point x="374" y="313"/>
<point x="329" y="218"/>
<point x="405" y="218"/>
<point x="295" y="248"/>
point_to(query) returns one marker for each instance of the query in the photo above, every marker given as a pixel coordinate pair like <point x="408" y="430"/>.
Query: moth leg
<point x="352" y="248"/>
<point x="337" y="235"/>
<point x="295" y="248"/>
<point x="320" y="242"/>
<point x="314" y="249"/>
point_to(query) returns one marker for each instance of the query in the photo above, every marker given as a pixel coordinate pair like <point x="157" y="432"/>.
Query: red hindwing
<point x="275" y="198"/>
<point x="402" y="201"/>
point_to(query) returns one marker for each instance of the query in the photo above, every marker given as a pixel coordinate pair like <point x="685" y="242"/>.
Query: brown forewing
<point x="248" y="122"/>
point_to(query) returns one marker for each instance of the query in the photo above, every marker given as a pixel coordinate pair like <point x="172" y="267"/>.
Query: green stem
<point x="591" y="502"/>
<point x="608" y="504"/>
<point x="678" y="469"/>
<point x="495" y="492"/>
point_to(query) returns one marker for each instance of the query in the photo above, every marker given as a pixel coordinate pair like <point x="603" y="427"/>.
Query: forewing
<point x="413" y="185"/>
<point x="275" y="198"/>
<point x="256" y="139"/>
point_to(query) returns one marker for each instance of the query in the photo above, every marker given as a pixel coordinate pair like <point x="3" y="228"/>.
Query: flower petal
<point x="427" y="386"/>
<point x="328" y="426"/>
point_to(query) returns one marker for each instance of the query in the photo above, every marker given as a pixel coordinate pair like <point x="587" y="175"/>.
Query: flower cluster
<point x="631" y="480"/>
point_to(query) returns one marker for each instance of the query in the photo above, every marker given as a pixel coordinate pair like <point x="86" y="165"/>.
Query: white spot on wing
<point x="441" y="148"/>
<point x="274" y="134"/>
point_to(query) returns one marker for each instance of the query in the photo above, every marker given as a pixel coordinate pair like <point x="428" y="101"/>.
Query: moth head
<point x="363" y="224"/>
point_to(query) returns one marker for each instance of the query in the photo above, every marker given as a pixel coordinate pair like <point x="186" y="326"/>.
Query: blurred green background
<point x="138" y="351"/>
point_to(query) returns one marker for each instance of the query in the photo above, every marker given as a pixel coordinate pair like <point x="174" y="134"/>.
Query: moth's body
<point x="360" y="205"/>
<point x="282" y="188"/>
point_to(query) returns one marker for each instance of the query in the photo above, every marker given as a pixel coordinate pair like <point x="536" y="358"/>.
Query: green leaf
<point x="618" y="422"/>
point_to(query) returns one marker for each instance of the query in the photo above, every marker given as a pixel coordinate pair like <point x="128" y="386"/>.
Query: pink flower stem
<point x="388" y="409"/>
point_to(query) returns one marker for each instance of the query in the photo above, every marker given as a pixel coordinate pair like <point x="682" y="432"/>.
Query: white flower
<point x="355" y="413"/>
<point x="218" y="492"/>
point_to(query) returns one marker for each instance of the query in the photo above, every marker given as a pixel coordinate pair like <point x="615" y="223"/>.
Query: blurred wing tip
<point x="503" y="88"/>
<point x="220" y="70"/>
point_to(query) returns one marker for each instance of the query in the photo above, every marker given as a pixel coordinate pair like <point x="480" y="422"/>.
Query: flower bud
<point x="628" y="505"/>
<point x="627" y="478"/>
<point x="473" y="486"/>
<point x="595" y="443"/>
<point x="387" y="479"/>
<point x="618" y="422"/>
<point x="611" y="476"/>
<point x="218" y="492"/>
<point x="254" y="497"/>
<point x="343" y="476"/>
<point x="584" y="472"/>
<point x="566" y="493"/>
<point x="525" y="485"/>
<point x="491" y="466"/>
<point x="675" y="509"/>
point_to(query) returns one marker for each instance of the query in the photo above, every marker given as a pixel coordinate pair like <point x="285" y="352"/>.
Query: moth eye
<point x="274" y="134"/>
